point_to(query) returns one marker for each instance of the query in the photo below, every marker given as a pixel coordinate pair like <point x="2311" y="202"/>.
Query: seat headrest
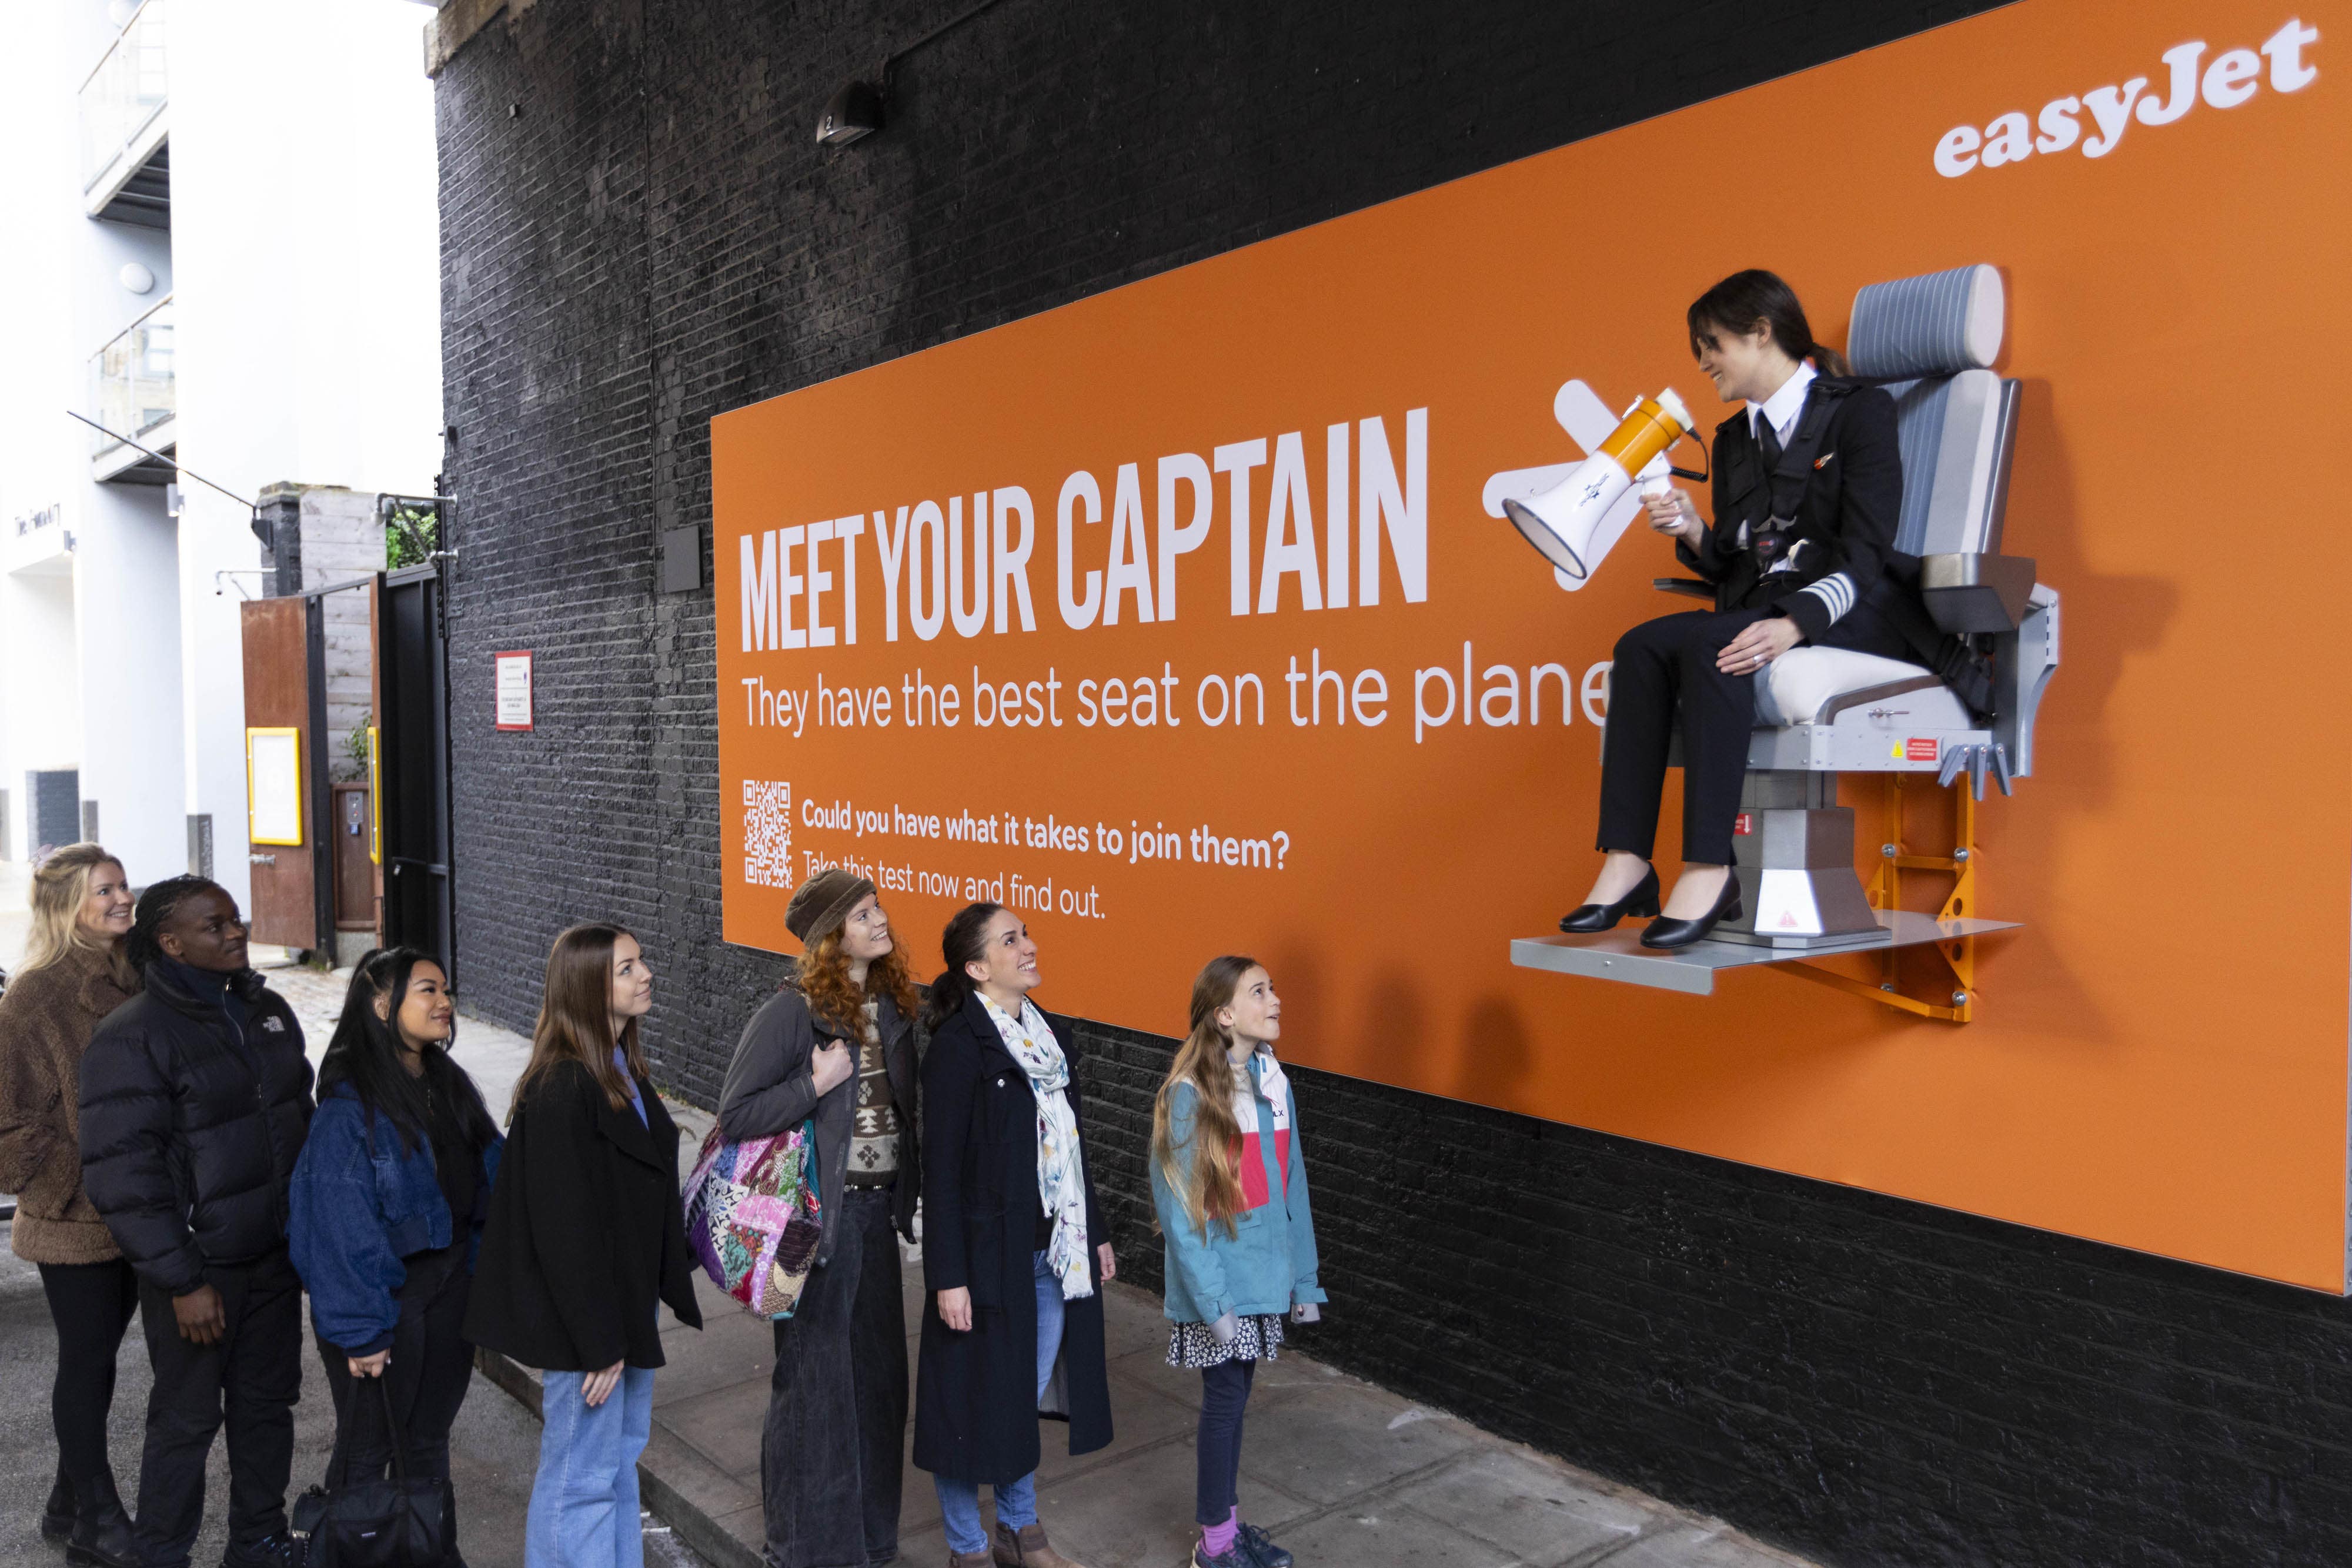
<point x="1937" y="324"/>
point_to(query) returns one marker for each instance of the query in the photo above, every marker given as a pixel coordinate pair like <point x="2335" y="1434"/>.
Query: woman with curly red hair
<point x="837" y="1043"/>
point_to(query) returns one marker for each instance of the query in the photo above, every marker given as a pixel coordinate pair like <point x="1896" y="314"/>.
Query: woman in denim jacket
<point x="1229" y="1186"/>
<point x="388" y="1201"/>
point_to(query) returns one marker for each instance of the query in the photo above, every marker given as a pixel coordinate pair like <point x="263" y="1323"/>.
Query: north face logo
<point x="273" y="1026"/>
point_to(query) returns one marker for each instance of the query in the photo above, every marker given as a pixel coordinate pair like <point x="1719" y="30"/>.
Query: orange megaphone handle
<point x="1644" y="432"/>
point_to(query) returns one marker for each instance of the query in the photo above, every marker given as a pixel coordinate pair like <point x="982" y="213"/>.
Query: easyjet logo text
<point x="2226" y="81"/>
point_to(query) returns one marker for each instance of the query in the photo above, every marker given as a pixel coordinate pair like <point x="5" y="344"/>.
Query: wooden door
<point x="277" y="701"/>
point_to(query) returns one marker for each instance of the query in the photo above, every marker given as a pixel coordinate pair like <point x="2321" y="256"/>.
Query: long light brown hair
<point x="61" y="887"/>
<point x="1205" y="1171"/>
<point x="575" y="1016"/>
<point x="835" y="998"/>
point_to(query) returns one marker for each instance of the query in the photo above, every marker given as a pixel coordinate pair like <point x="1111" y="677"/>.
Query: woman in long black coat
<point x="1014" y="1248"/>
<point x="584" y="1245"/>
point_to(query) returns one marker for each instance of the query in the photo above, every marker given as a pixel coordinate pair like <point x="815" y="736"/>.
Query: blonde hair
<point x="61" y="887"/>
<point x="1205" y="1171"/>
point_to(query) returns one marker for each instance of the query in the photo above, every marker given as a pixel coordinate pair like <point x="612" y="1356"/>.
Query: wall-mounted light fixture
<point x="854" y="112"/>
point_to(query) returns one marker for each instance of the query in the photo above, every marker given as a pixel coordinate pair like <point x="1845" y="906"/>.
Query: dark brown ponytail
<point x="1745" y="299"/>
<point x="965" y="941"/>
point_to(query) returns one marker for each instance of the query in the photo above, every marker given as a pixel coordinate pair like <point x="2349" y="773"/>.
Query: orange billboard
<point x="1174" y="619"/>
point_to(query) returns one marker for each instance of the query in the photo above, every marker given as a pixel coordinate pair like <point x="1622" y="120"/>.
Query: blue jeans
<point x="1016" y="1501"/>
<point x="584" y="1503"/>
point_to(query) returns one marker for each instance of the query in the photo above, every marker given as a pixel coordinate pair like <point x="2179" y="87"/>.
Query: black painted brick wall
<point x="637" y="234"/>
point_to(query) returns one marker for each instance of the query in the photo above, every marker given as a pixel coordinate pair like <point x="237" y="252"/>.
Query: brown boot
<point x="980" y="1559"/>
<point x="1028" y="1548"/>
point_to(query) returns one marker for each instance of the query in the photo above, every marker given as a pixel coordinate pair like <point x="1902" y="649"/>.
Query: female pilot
<point x="1808" y="489"/>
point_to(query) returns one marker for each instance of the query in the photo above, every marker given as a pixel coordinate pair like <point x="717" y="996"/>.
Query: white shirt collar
<point x="1784" y="406"/>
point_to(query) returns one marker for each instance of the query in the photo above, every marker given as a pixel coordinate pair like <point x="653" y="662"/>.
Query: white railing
<point x="124" y="94"/>
<point x="131" y="386"/>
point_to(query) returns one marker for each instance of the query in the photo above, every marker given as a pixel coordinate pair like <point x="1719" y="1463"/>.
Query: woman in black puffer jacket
<point x="195" y="1097"/>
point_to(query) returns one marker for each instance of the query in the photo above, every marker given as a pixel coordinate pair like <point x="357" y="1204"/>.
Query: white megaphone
<point x="1560" y="521"/>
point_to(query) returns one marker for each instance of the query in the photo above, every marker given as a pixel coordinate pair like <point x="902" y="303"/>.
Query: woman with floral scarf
<point x="1014" y="1248"/>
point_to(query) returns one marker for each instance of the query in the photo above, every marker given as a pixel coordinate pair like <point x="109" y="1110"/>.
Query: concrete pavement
<point x="1344" y="1472"/>
<point x="1341" y="1471"/>
<point x="494" y="1447"/>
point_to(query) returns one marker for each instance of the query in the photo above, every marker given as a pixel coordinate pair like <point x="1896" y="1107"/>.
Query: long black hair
<point x="157" y="904"/>
<point x="1741" y="301"/>
<point x="965" y="941"/>
<point x="364" y="1052"/>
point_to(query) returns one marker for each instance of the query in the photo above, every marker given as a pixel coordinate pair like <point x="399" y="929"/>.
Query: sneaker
<point x="1260" y="1547"/>
<point x="278" y="1550"/>
<point x="1236" y="1558"/>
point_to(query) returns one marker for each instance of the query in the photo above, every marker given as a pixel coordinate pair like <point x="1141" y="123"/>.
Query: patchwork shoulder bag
<point x="752" y="1216"/>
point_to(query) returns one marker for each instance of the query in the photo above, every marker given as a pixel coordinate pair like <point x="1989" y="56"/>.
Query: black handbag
<point x="403" y="1523"/>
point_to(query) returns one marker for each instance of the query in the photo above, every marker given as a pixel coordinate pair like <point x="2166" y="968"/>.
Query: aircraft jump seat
<point x="1822" y="712"/>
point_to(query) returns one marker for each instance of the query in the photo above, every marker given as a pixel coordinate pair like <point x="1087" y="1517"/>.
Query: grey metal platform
<point x="1619" y="955"/>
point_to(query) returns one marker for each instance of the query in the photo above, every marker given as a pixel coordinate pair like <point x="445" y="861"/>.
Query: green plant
<point x="411" y="534"/>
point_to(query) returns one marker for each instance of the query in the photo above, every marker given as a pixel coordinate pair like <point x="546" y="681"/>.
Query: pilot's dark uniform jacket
<point x="1808" y="489"/>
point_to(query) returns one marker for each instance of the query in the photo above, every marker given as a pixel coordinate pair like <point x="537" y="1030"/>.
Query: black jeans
<point x="432" y="1367"/>
<point x="1667" y="665"/>
<point x="91" y="1305"/>
<point x="1224" y="1398"/>
<point x="250" y="1378"/>
<point x="831" y="1450"/>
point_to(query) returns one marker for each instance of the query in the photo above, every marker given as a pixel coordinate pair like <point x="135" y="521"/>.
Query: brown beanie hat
<point x="822" y="903"/>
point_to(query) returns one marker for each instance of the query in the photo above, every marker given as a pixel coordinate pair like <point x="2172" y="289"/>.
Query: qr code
<point x="768" y="833"/>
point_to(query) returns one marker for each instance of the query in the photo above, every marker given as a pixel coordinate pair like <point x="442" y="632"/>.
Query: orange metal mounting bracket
<point x="1944" y="990"/>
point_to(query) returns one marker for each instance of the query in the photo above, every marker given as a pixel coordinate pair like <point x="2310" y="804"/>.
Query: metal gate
<point x="413" y="764"/>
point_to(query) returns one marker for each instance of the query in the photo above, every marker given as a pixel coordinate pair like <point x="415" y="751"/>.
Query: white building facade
<point x="223" y="221"/>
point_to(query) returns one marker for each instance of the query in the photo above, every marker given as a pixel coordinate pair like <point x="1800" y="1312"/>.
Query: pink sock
<point x="1218" y="1538"/>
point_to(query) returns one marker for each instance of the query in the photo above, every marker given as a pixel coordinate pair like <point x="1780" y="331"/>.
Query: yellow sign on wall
<point x="273" y="786"/>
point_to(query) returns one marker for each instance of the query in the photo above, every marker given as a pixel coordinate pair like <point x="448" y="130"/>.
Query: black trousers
<point x="91" y="1305"/>
<point x="249" y="1378"/>
<point x="1217" y="1448"/>
<point x="832" y="1452"/>
<point x="432" y="1367"/>
<point x="1665" y="678"/>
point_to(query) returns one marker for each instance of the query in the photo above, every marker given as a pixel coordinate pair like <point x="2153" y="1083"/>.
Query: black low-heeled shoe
<point x="1670" y="934"/>
<point x="1588" y="917"/>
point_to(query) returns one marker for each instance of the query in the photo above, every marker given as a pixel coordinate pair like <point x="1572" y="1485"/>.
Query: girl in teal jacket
<point x="1229" y="1186"/>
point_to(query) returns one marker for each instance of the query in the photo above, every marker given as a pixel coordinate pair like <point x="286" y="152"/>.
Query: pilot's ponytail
<point x="965" y="941"/>
<point x="1745" y="299"/>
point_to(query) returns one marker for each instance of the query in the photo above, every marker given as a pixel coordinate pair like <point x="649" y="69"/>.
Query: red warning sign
<point x="1919" y="749"/>
<point x="1743" y="824"/>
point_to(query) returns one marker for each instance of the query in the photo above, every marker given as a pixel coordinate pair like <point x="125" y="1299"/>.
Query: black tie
<point x="1771" y="443"/>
